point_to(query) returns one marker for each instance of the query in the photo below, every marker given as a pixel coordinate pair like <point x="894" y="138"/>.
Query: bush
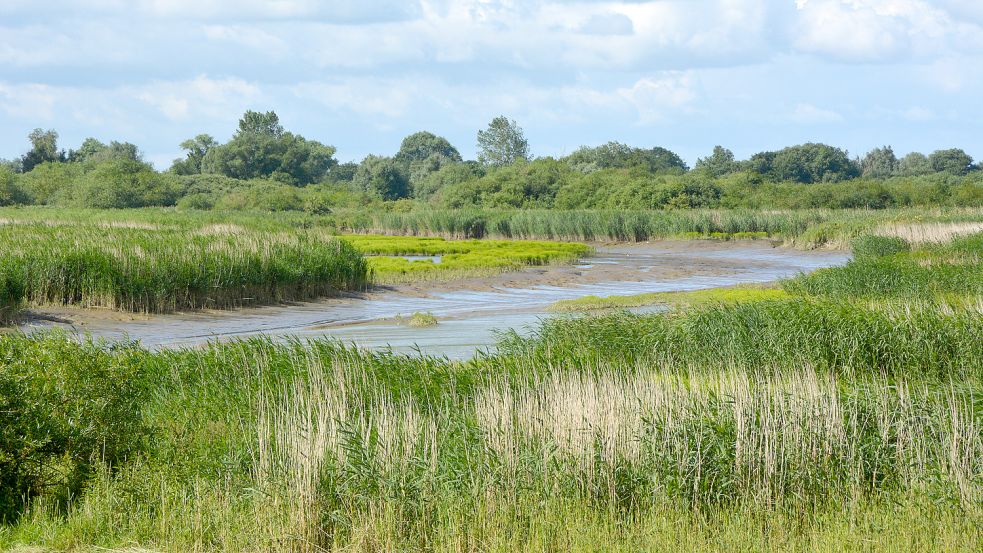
<point x="64" y="410"/>
<point x="124" y="183"/>
<point x="10" y="193"/>
<point x="263" y="196"/>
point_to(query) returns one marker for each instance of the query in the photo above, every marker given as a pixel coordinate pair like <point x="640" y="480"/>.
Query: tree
<point x="197" y="148"/>
<point x="93" y="152"/>
<point x="953" y="161"/>
<point x="502" y="143"/>
<point x="423" y="145"/>
<point x="615" y="155"/>
<point x="44" y="147"/>
<point x="914" y="164"/>
<point x="382" y="176"/>
<point x="806" y="163"/>
<point x="879" y="163"/>
<point x="90" y="147"/>
<point x="124" y="183"/>
<point x="254" y="122"/>
<point x="262" y="149"/>
<point x="721" y="162"/>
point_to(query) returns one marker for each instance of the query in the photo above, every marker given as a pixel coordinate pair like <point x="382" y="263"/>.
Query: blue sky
<point x="684" y="74"/>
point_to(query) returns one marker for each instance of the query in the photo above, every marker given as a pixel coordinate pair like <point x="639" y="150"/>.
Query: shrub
<point x="64" y="410"/>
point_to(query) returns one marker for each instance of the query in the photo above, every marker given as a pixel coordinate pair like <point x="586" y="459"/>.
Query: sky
<point x="750" y="75"/>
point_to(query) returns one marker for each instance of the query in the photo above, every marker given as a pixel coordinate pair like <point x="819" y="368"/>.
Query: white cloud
<point x="810" y="114"/>
<point x="655" y="99"/>
<point x="32" y="102"/>
<point x="201" y="96"/>
<point x="918" y="114"/>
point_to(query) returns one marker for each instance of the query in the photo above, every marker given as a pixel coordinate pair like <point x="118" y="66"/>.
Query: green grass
<point x="673" y="299"/>
<point x="146" y="269"/>
<point x="458" y="258"/>
<point x="833" y="413"/>
<point x="807" y="228"/>
<point x="943" y="273"/>
<point x="419" y="320"/>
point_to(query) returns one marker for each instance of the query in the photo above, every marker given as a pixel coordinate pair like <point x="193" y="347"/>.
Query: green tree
<point x="721" y="162"/>
<point x="90" y="148"/>
<point x="197" y="148"/>
<point x="124" y="183"/>
<point x="879" y="163"/>
<point x="806" y="163"/>
<point x="382" y="176"/>
<point x="44" y="148"/>
<point x="262" y="149"/>
<point x="615" y="155"/>
<point x="914" y="164"/>
<point x="502" y="143"/>
<point x="254" y="122"/>
<point x="424" y="145"/>
<point x="448" y="175"/>
<point x="953" y="161"/>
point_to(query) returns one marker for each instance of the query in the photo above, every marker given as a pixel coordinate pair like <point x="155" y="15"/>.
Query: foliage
<point x="383" y="177"/>
<point x="197" y="148"/>
<point x="44" y="148"/>
<point x="721" y="162"/>
<point x="65" y="411"/>
<point x="424" y="145"/>
<point x="614" y="155"/>
<point x="805" y="163"/>
<point x="502" y="143"/>
<point x="50" y="183"/>
<point x="953" y="161"/>
<point x="879" y="163"/>
<point x="260" y="195"/>
<point x="915" y="164"/>
<point x="10" y="192"/>
<point x="122" y="183"/>
<point x="262" y="149"/>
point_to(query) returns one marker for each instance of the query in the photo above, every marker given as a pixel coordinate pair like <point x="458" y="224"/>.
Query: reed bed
<point x="928" y="233"/>
<point x="159" y="270"/>
<point x="808" y="228"/>
<point x="779" y="411"/>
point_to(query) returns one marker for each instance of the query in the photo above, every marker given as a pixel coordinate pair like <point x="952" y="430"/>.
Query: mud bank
<point x="471" y="311"/>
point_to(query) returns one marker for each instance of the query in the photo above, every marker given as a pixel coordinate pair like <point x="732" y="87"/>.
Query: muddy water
<point x="471" y="312"/>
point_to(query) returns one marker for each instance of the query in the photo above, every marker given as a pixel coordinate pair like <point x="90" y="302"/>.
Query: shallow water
<point x="470" y="313"/>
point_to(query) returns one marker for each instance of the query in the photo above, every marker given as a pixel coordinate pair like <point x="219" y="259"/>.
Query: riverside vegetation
<point x="839" y="412"/>
<point x="154" y="262"/>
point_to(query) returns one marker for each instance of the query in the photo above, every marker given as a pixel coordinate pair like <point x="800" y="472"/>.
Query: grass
<point x="139" y="263"/>
<point x="839" y="411"/>
<point x="159" y="270"/>
<point x="677" y="300"/>
<point x="420" y="320"/>
<point x="808" y="228"/>
<point x="458" y="258"/>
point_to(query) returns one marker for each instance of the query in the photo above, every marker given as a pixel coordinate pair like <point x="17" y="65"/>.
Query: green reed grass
<point x="314" y="446"/>
<point x="133" y="268"/>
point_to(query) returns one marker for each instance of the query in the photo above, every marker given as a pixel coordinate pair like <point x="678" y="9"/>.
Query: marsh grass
<point x="675" y="300"/>
<point x="155" y="271"/>
<point x="458" y="258"/>
<point x="315" y="446"/>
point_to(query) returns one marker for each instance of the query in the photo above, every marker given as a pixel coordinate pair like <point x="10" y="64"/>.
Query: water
<point x="471" y="313"/>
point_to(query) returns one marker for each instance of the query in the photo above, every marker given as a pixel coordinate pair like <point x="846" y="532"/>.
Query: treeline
<point x="265" y="167"/>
